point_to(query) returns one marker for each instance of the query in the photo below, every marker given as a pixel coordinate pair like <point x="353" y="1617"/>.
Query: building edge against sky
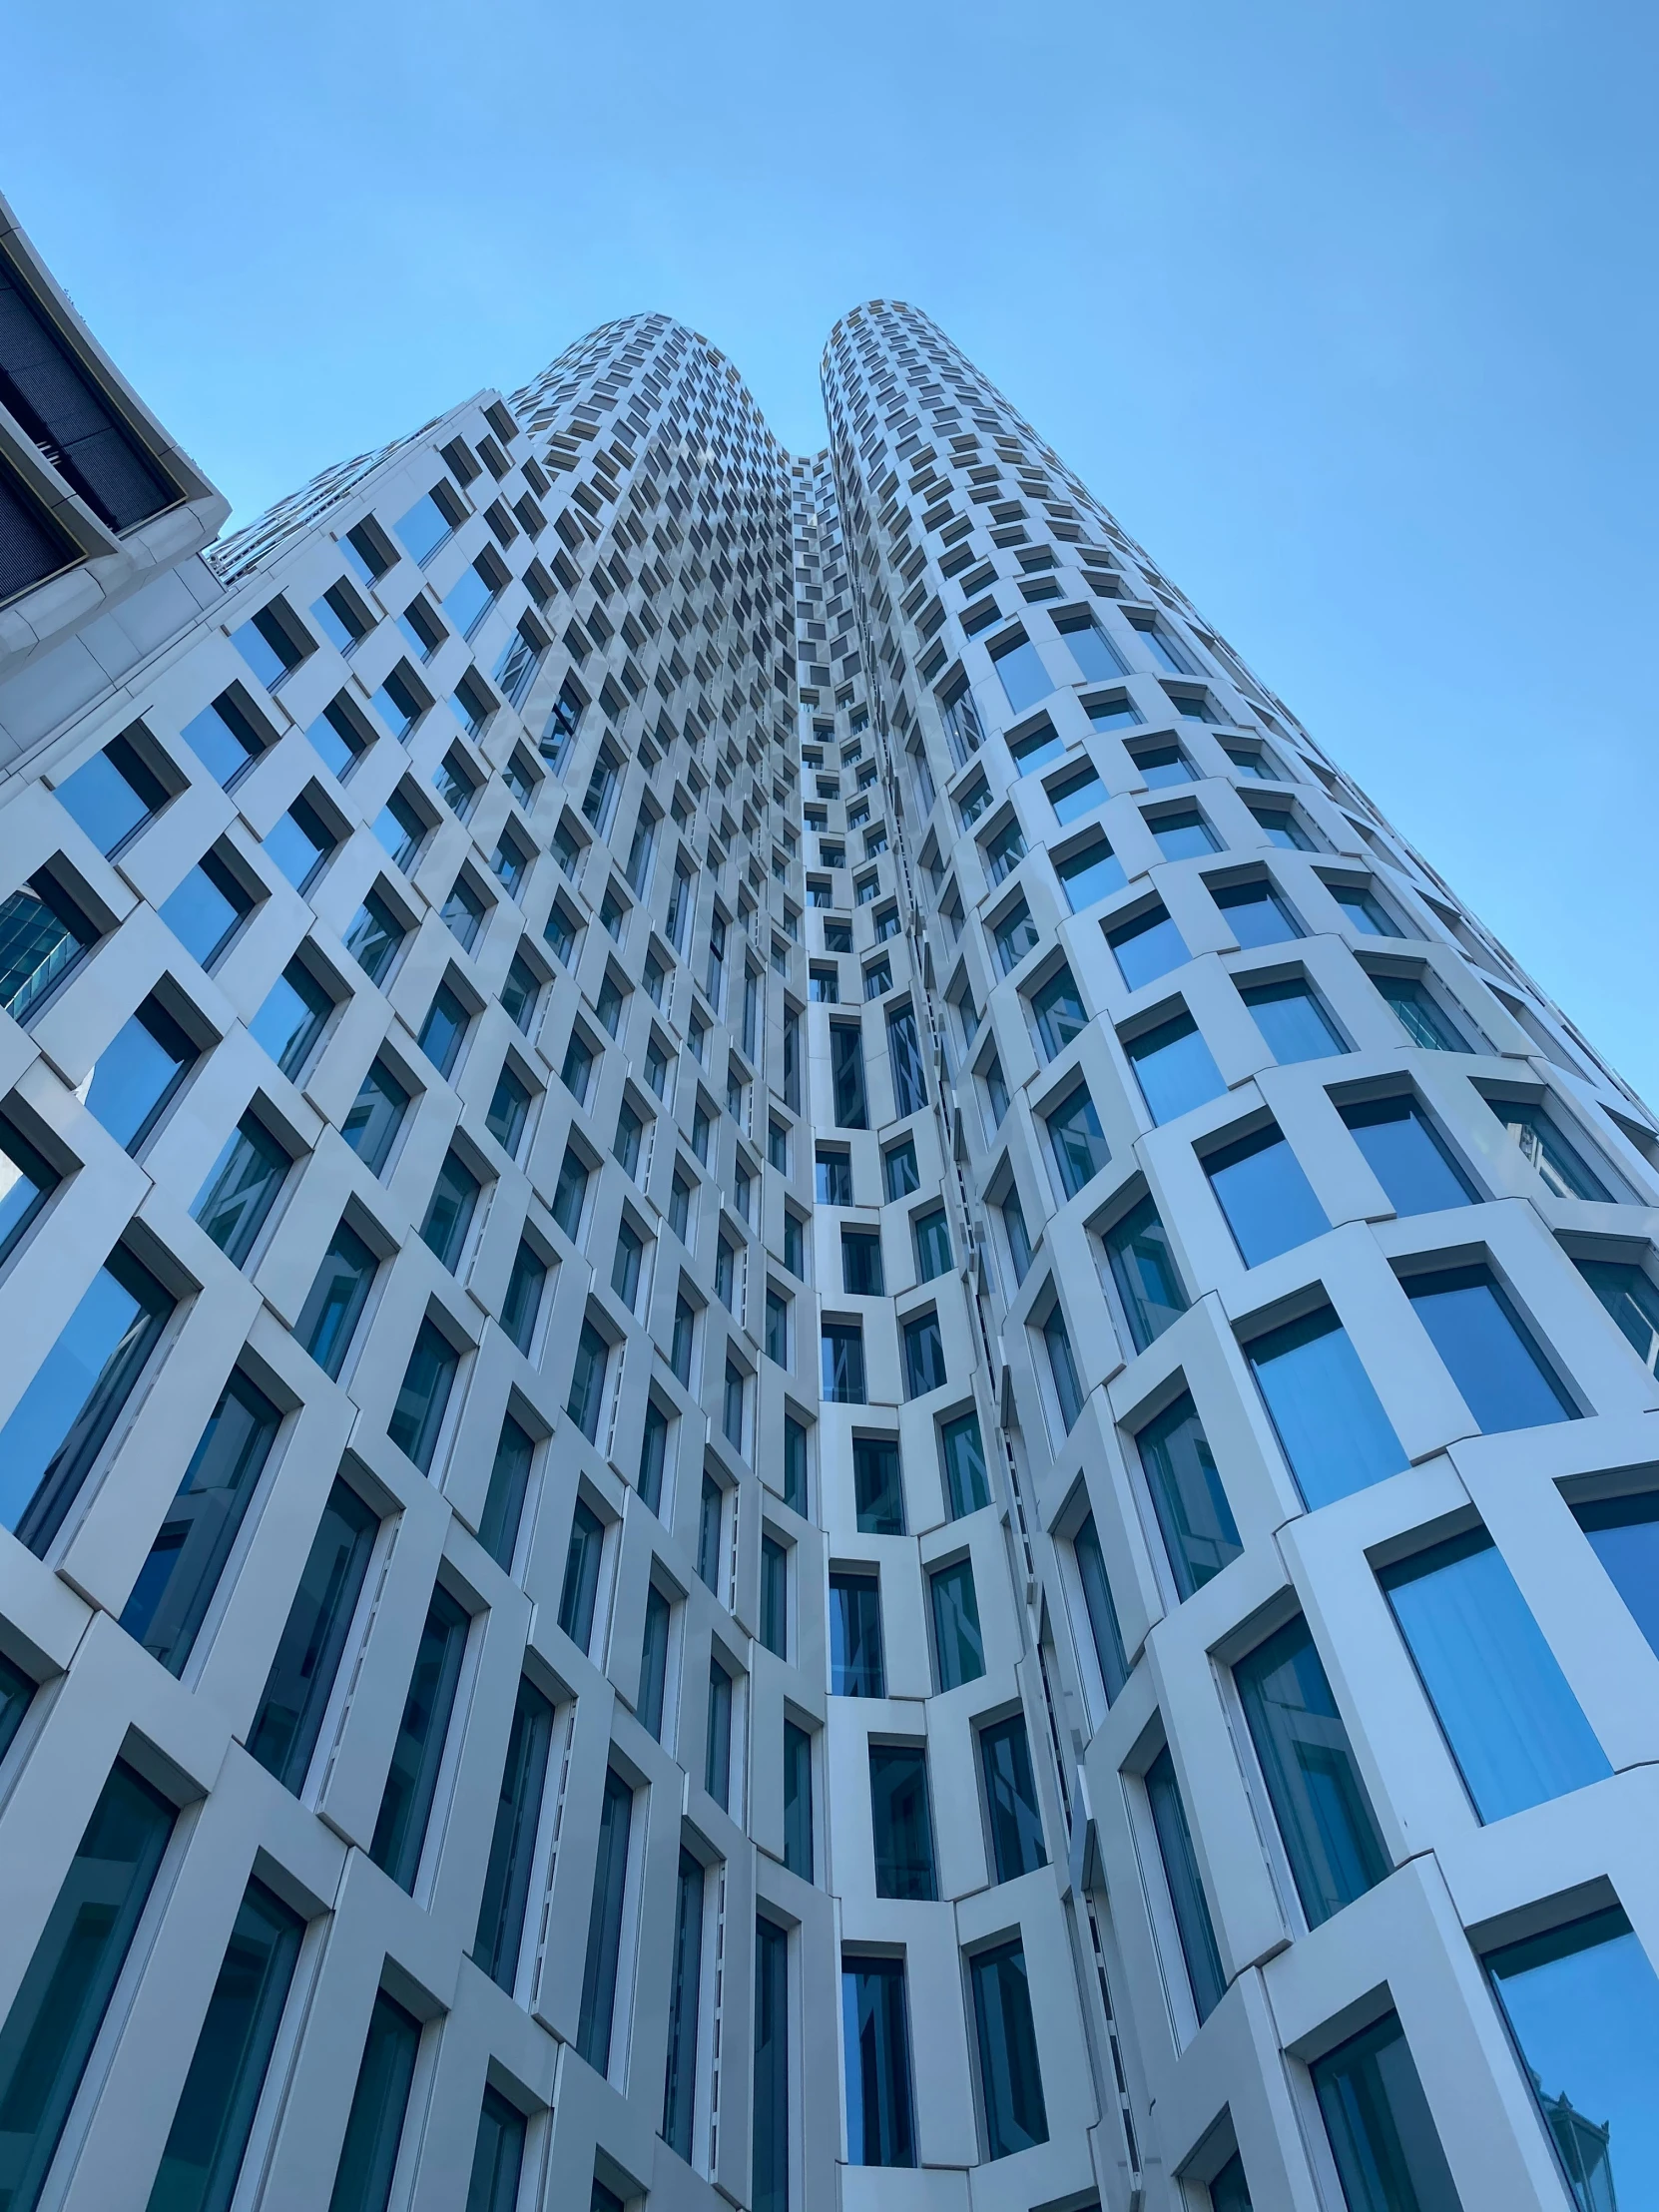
<point x="783" y="1311"/>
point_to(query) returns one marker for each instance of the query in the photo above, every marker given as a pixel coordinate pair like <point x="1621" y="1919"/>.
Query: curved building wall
<point x="814" y="1395"/>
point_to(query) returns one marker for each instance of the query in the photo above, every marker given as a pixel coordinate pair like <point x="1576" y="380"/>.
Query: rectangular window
<point x="450" y="1212"/>
<point x="604" y="1952"/>
<point x="1091" y="873"/>
<point x="443" y="1030"/>
<point x="521" y="1307"/>
<point x="1256" y="915"/>
<point x="60" y="2003"/>
<point x="1328" y="1417"/>
<point x="1488" y="1351"/>
<point x="1076" y="1140"/>
<point x="1015" y="934"/>
<point x="379" y="2106"/>
<point x="1173" y="1066"/>
<point x="717" y="1741"/>
<point x="966" y="1484"/>
<point x="923" y="1356"/>
<point x="501" y="1910"/>
<point x="509" y="1484"/>
<point x="684" y="2007"/>
<point x="1144" y="1271"/>
<point x="844" y="1362"/>
<point x="797" y="1801"/>
<point x="215" y="2115"/>
<point x="587" y="1381"/>
<point x="877" y="2030"/>
<point x="418" y="1415"/>
<point x="909" y="1083"/>
<point x="177" y="1581"/>
<point x="1265" y="1198"/>
<point x="877" y="1487"/>
<point x="861" y="1272"/>
<point x="1018" y="1236"/>
<point x="770" y="2170"/>
<point x="374" y="935"/>
<point x="207" y="910"/>
<point x="1059" y="1013"/>
<point x="1582" y="2004"/>
<point x="375" y="1116"/>
<point x="1293" y="1023"/>
<point x="1186" y="1888"/>
<point x="795" y="1464"/>
<point x="710" y="1529"/>
<point x="1104" y="1631"/>
<point x="1506" y="1710"/>
<point x="1402" y="1150"/>
<point x="1062" y="1369"/>
<point x="775" y="1597"/>
<point x="307" y="1656"/>
<point x="579" y="1593"/>
<point x="847" y="1061"/>
<point x="1365" y="910"/>
<point x="570" y="1191"/>
<point x="1005" y="2041"/>
<point x="1424" y="1019"/>
<point x="1317" y="1798"/>
<point x="856" y="1666"/>
<point x="1011" y="1800"/>
<point x="68" y="1412"/>
<point x="732" y="1406"/>
<point x="1561" y="1168"/>
<point x="497" y="2156"/>
<point x="1379" y="2126"/>
<point x="242" y="1188"/>
<point x="418" y="1752"/>
<point x="1147" y="947"/>
<point x="223" y="739"/>
<point x="1093" y="652"/>
<point x="1185" y="835"/>
<point x="1072" y="797"/>
<point x="115" y="794"/>
<point x="958" y="1643"/>
<point x="139" y="1073"/>
<point x="900" y="1821"/>
<point x="1194" y="1517"/>
<point x="293" y="1018"/>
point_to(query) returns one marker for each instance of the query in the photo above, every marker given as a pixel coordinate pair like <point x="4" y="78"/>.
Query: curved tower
<point x="812" y="1397"/>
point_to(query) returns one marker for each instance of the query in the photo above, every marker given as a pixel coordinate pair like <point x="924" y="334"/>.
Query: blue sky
<point x="1347" y="310"/>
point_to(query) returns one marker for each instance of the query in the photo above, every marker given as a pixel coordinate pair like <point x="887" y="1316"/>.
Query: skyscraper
<point x="814" y="1395"/>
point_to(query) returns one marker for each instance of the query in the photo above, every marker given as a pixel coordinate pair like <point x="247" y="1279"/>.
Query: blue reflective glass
<point x="1186" y="1886"/>
<point x="1399" y="1146"/>
<point x="1513" y="1726"/>
<point x="902" y="1824"/>
<point x="958" y="1642"/>
<point x="417" y="1748"/>
<point x="1266" y="1199"/>
<point x="1583" y="2001"/>
<point x="293" y="1016"/>
<point x="138" y="1072"/>
<point x="1293" y="1023"/>
<point x="1094" y="654"/>
<point x="1488" y="1355"/>
<point x="1328" y="1418"/>
<point x="1254" y="915"/>
<point x="497" y="2156"/>
<point x="1011" y="2077"/>
<point x="1199" y="1531"/>
<point x="1147" y="949"/>
<point x="856" y="1659"/>
<point x="1173" y="1066"/>
<point x="1024" y="678"/>
<point x="1624" y="1534"/>
<point x="877" y="2029"/>
<point x="1380" y="2126"/>
<point x="113" y="795"/>
<point x="203" y="912"/>
<point x="1092" y="873"/>
<point x="379" y="2102"/>
<point x="1011" y="1800"/>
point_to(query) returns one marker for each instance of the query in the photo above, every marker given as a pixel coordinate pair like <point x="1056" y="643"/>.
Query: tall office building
<point x="812" y="1397"/>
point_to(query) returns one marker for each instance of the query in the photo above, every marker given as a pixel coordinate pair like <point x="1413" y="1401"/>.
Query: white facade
<point x="614" y="849"/>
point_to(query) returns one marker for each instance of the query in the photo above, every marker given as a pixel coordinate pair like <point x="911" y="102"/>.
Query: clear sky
<point x="1345" y="308"/>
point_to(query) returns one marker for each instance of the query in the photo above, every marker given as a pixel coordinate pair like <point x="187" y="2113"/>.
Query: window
<point x="1059" y="1013"/>
<point x="570" y="1193"/>
<point x="520" y="992"/>
<point x="680" y="1339"/>
<point x="587" y="1381"/>
<point x="775" y="1597"/>
<point x="732" y="1406"/>
<point x="300" y="842"/>
<point x="1228" y="2189"/>
<point x="61" y="2001"/>
<point x="464" y="910"/>
<point x="958" y="1644"/>
<point x="1186" y="1888"/>
<point x="1257" y="915"/>
<point x="302" y="1678"/>
<point x="923" y="1356"/>
<point x="1403" y="1151"/>
<point x="1104" y="1632"/>
<point x="334" y="1304"/>
<point x="418" y="1415"/>
<point x="795" y="1464"/>
<point x="1062" y="1369"/>
<point x="207" y="910"/>
<point x="1184" y="835"/>
<point x="900" y="1823"/>
<point x="846" y="1060"/>
<point x="1582" y="2004"/>
<point x="1267" y="1201"/>
<point x="1036" y="751"/>
<point x="579" y="1595"/>
<point x="1162" y="765"/>
<point x="654" y="1662"/>
<point x="469" y="598"/>
<point x="1328" y="1417"/>
<point x="1317" y="1798"/>
<point x="1076" y="1140"/>
<point x="602" y="1964"/>
<point x="208" y="2139"/>
<point x="1379" y="2123"/>
<point x="139" y="1073"/>
<point x="338" y="736"/>
<point x="576" y="1069"/>
<point x="856" y="1667"/>
<point x="1144" y="1271"/>
<point x="223" y="739"/>
<point x="909" y="1083"/>
<point x="375" y="1116"/>
<point x="684" y="2007"/>
<point x="797" y="1801"/>
<point x="66" y="1416"/>
<point x="1173" y="1066"/>
<point x="930" y="1233"/>
<point x="294" y="1015"/>
<point x="497" y="2155"/>
<point x="450" y="1212"/>
<point x="399" y="702"/>
<point x="653" y="1456"/>
<point x="509" y="1484"/>
<point x="711" y="1531"/>
<point x="1488" y="1351"/>
<point x="1092" y="873"/>
<point x="401" y="828"/>
<point x="1011" y="2078"/>
<point x="1291" y="1020"/>
<point x="506" y="1894"/>
<point x="27" y="1181"/>
<point x="1147" y="947"/>
<point x="1561" y="1168"/>
<point x="878" y="1489"/>
<point x="1074" y="796"/>
<point x="1281" y="827"/>
<point x="509" y="1112"/>
<point x="1094" y="653"/>
<point x="1509" y="1718"/>
<point x="1011" y="1800"/>
<point x="1362" y="906"/>
<point x="1005" y="851"/>
<point x="427" y="525"/>
<point x="115" y="794"/>
<point x="625" y="1150"/>
<point x="1421" y="1017"/>
<point x="717" y="1745"/>
<point x="843" y="1347"/>
<point x="177" y="1581"/>
<point x="374" y="935"/>
<point x="417" y="1750"/>
<point x="769" y="2164"/>
<point x="1113" y="712"/>
<point x="877" y="2030"/>
<point x="1194" y="1517"/>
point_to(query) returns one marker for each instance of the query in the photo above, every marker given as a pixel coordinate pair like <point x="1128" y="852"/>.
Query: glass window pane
<point x="958" y="1644"/>
<point x="1487" y="1352"/>
<point x="509" y="1483"/>
<point x="856" y="1658"/>
<point x="205" y="910"/>
<point x="1308" y="1765"/>
<point x="876" y="2029"/>
<point x="1173" y="1066"/>
<point x="307" y="1657"/>
<point x="770" y="2172"/>
<point x="604" y="1952"/>
<point x="138" y="1073"/>
<point x="513" y="1838"/>
<point x="879" y="1492"/>
<point x="1256" y="915"/>
<point x="375" y="2129"/>
<point x="1624" y="1535"/>
<point x="497" y="2156"/>
<point x="417" y="1751"/>
<point x="797" y="1801"/>
<point x="1104" y="1631"/>
<point x="900" y="1823"/>
<point x="1197" y="1523"/>
<point x="1583" y="2004"/>
<point x="1328" y="1418"/>
<point x="1424" y="1020"/>
<point x="1511" y="1722"/>
<point x="654" y="1662"/>
<point x="1628" y="1293"/>
<point x="1094" y="871"/>
<point x="374" y="1117"/>
<point x="238" y="1197"/>
<point x="1147" y="949"/>
<point x="1143" y="1268"/>
<point x="1078" y="1141"/>
<point x="418" y="1415"/>
<point x="1267" y="1202"/>
<point x="1294" y="1023"/>
<point x="717" y="1747"/>
<point x="1403" y="1151"/>
<point x="294" y="1015"/>
<point x="332" y="1309"/>
<point x="1186" y="1888"/>
<point x="1058" y="1012"/>
<point x="968" y="1485"/>
<point x="685" y="2006"/>
<point x="1011" y="1800"/>
<point x="1381" y="2131"/>
<point x="1011" y="2078"/>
